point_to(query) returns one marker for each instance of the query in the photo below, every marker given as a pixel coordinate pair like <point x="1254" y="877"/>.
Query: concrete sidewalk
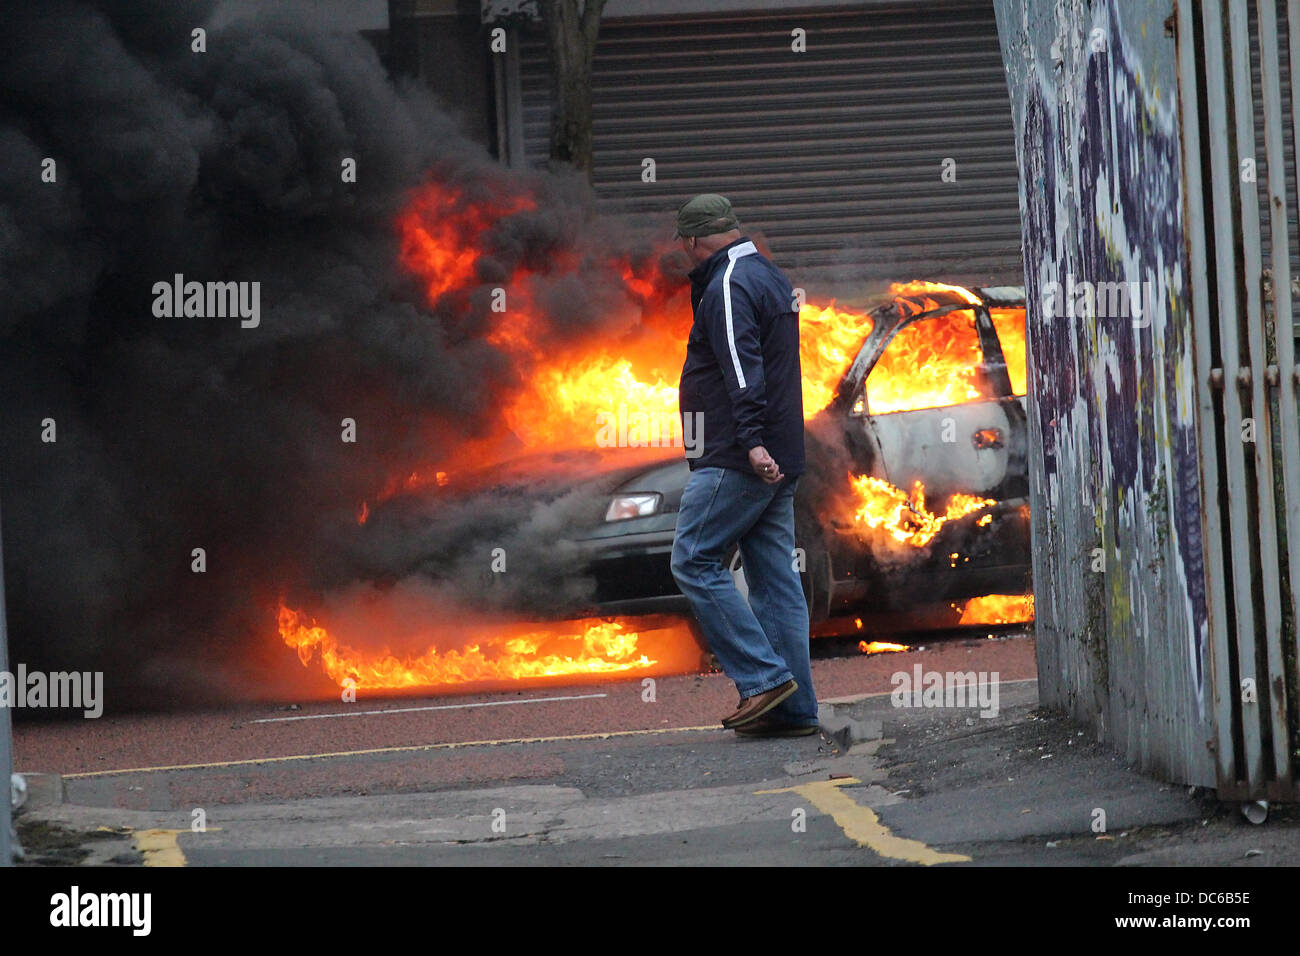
<point x="1031" y="788"/>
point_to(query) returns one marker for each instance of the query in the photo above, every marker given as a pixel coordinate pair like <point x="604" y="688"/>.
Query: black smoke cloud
<point x="183" y="433"/>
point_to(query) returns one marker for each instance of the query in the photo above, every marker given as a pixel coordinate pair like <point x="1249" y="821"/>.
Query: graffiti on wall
<point x="1118" y="551"/>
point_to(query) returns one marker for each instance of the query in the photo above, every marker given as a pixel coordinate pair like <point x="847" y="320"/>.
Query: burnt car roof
<point x="989" y="296"/>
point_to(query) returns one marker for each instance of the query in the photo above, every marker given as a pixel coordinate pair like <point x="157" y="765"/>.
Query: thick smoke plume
<point x="183" y="433"/>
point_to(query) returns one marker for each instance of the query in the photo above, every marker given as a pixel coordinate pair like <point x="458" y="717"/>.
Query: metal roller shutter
<point x="1288" y="142"/>
<point x="833" y="154"/>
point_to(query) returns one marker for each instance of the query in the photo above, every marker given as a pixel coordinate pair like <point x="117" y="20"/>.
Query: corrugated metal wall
<point x="1240" y="227"/>
<point x="835" y="153"/>
<point x="1119" y="574"/>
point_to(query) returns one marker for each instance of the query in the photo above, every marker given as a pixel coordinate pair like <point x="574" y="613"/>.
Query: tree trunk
<point x="572" y="27"/>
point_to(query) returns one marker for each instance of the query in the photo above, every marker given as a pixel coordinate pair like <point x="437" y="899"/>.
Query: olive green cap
<point x="705" y="215"/>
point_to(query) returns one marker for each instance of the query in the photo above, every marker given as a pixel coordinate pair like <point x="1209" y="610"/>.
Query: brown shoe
<point x="752" y="708"/>
<point x="772" y="726"/>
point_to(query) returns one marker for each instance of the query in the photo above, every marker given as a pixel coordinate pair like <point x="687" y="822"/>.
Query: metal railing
<point x="1246" y="376"/>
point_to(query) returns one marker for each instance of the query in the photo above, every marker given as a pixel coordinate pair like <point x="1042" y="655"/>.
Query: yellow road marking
<point x="861" y="824"/>
<point x="392" y="750"/>
<point x="160" y="848"/>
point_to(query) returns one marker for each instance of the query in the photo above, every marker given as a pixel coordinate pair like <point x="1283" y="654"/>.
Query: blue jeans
<point x="761" y="643"/>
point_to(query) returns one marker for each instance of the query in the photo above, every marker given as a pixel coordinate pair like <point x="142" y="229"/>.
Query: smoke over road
<point x="187" y="432"/>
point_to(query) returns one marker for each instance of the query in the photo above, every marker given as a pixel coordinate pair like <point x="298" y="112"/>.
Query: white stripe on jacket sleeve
<point x="744" y="249"/>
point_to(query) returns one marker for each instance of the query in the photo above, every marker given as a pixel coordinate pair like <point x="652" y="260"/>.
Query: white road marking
<point x="411" y="710"/>
<point x="451" y="745"/>
<point x="854" y="698"/>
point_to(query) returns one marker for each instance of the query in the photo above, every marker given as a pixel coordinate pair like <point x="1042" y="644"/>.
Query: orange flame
<point x="885" y="507"/>
<point x="929" y="364"/>
<point x="559" y="403"/>
<point x="441" y="232"/>
<point x="998" y="609"/>
<point x="829" y="339"/>
<point x="559" y="396"/>
<point x="881" y="647"/>
<point x="1010" y="325"/>
<point x="575" y="648"/>
<point x="918" y="301"/>
<point x="935" y="362"/>
<point x="564" y="404"/>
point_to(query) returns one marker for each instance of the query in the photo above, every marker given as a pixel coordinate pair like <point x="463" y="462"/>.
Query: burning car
<point x="517" y="529"/>
<point x="913" y="509"/>
<point x="916" y="493"/>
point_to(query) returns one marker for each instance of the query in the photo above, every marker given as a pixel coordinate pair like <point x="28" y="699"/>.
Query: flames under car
<point x="916" y="490"/>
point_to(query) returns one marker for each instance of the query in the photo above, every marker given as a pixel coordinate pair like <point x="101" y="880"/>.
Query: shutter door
<point x="834" y="154"/>
<point x="1288" y="143"/>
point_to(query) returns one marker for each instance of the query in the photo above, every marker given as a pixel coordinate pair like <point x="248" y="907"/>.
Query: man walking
<point x="742" y="374"/>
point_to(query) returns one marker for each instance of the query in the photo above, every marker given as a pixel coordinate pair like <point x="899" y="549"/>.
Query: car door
<point x="937" y="407"/>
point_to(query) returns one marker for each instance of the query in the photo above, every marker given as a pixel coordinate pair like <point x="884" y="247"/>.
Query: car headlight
<point x="632" y="506"/>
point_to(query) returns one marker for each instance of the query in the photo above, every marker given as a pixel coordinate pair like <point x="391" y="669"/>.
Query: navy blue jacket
<point x="742" y="362"/>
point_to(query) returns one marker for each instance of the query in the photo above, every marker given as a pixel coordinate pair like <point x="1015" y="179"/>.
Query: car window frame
<point x="1010" y="390"/>
<point x="995" y="374"/>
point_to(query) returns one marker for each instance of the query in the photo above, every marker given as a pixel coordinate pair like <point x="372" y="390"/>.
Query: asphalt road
<point x="599" y="774"/>
<point x="257" y="751"/>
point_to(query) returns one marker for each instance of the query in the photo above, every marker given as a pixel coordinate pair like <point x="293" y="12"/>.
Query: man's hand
<point x="764" y="466"/>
